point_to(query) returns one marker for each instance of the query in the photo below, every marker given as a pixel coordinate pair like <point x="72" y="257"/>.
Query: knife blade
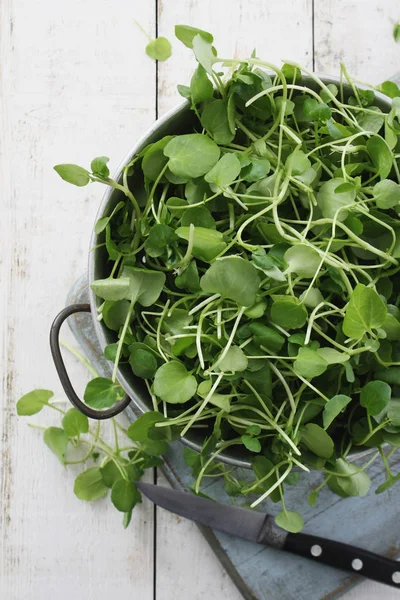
<point x="262" y="529"/>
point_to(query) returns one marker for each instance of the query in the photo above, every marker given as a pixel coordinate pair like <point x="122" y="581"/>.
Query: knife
<point x="261" y="528"/>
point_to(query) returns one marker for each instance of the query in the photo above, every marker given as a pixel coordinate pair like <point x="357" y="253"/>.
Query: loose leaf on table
<point x="74" y="422"/>
<point x="375" y="396"/>
<point x="73" y="174"/>
<point x="232" y="277"/>
<point x="102" y="393"/>
<point x="174" y="384"/>
<point x="365" y="311"/>
<point x="333" y="408"/>
<point x="89" y="485"/>
<point x="124" y="495"/>
<point x="191" y="155"/>
<point x="159" y="49"/>
<point x="57" y="440"/>
<point x="33" y="402"/>
<point x="290" y="520"/>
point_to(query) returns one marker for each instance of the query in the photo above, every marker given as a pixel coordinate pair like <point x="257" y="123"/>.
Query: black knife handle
<point x="346" y="557"/>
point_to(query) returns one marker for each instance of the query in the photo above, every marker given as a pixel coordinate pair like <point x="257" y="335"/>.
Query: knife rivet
<point x="396" y="577"/>
<point x="316" y="550"/>
<point x="357" y="564"/>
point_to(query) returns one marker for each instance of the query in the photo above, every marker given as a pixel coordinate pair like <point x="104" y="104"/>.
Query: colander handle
<point x="62" y="372"/>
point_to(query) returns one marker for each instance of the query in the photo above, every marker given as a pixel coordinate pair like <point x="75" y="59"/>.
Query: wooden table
<point x="76" y="83"/>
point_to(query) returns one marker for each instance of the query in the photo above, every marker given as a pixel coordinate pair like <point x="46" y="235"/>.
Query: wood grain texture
<point x="70" y="90"/>
<point x="75" y="83"/>
<point x="359" y="33"/>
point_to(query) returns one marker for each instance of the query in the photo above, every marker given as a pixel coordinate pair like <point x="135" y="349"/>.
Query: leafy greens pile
<point x="254" y="279"/>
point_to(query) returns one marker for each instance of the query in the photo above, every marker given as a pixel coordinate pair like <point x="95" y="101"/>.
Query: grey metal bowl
<point x="177" y="121"/>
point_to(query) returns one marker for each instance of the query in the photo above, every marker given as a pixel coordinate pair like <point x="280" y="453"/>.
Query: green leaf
<point x="333" y="204"/>
<point x="303" y="260"/>
<point x="290" y="520"/>
<point x="124" y="495"/>
<point x="99" y="167"/>
<point x="386" y="194"/>
<point x="396" y="32"/>
<point x="386" y="485"/>
<point x="261" y="467"/>
<point x="73" y="174"/>
<point x="57" y="440"/>
<point x="333" y="408"/>
<point x="224" y="172"/>
<point x="375" y="396"/>
<point x="74" y="423"/>
<point x="316" y="111"/>
<point x="102" y="393"/>
<point x="215" y="121"/>
<point x="186" y="34"/>
<point x="234" y="278"/>
<point x="174" y="384"/>
<point x="201" y="88"/>
<point x="251" y="443"/>
<point x="155" y="160"/>
<point x="160" y="237"/>
<point x="189" y="279"/>
<point x="371" y="122"/>
<point x="267" y="337"/>
<point x="159" y="49"/>
<point x="155" y="447"/>
<point x="145" y="286"/>
<point x="142" y="361"/>
<point x="288" y="312"/>
<point x="138" y="431"/>
<point x="297" y="163"/>
<point x="309" y="363"/>
<point x="110" y="473"/>
<point x="33" y="402"/>
<point x="392" y="328"/>
<point x="207" y="243"/>
<point x="115" y="313"/>
<point x="332" y="356"/>
<point x="365" y="311"/>
<point x="199" y="216"/>
<point x="381" y="156"/>
<point x="351" y="482"/>
<point x="390" y="375"/>
<point x="111" y="289"/>
<point x="203" y="52"/>
<point x="256" y="170"/>
<point x="317" y="440"/>
<point x="312" y="498"/>
<point x="235" y="360"/>
<point x="191" y="155"/>
<point x="89" y="485"/>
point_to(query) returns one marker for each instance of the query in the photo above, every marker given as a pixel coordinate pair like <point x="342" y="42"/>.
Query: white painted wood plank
<point x="278" y="30"/>
<point x="359" y="33"/>
<point x="74" y="84"/>
<point x="186" y="566"/>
